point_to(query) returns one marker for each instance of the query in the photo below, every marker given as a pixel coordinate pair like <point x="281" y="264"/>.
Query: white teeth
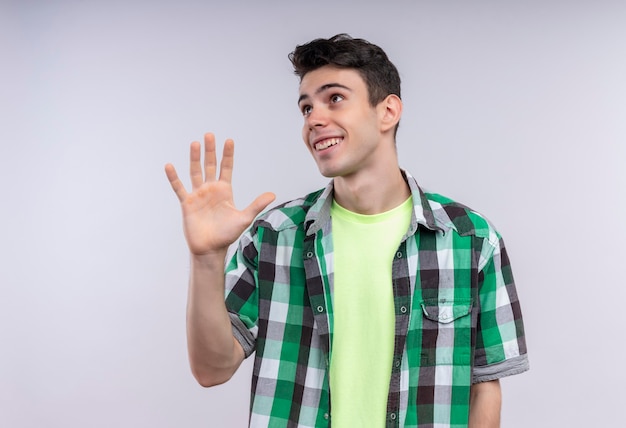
<point x="327" y="143"/>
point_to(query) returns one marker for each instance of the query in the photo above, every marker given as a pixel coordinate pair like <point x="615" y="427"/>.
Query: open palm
<point x="210" y="219"/>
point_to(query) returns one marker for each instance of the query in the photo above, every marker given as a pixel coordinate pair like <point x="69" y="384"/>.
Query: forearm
<point x="485" y="404"/>
<point x="211" y="223"/>
<point x="214" y="355"/>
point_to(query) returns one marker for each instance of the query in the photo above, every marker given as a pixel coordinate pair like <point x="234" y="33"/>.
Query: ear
<point x="390" y="110"/>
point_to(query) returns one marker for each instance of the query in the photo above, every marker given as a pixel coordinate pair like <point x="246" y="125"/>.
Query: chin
<point x="328" y="172"/>
<point x="332" y="171"/>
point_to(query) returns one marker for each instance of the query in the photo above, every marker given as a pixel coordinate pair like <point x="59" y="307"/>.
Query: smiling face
<point x="345" y="134"/>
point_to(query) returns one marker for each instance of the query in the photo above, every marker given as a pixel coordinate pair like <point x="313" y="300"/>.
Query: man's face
<point x="341" y="129"/>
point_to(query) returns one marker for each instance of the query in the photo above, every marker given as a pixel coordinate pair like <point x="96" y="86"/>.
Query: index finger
<point x="228" y="159"/>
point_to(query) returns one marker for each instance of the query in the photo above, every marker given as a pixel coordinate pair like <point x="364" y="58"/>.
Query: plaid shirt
<point x="457" y="322"/>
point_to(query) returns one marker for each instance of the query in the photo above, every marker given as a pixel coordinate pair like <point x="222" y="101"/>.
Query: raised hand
<point x="211" y="221"/>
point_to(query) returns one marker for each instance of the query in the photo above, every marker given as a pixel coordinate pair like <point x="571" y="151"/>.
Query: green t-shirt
<point x="364" y="320"/>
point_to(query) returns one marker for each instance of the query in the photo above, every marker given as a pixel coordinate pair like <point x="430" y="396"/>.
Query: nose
<point x="317" y="118"/>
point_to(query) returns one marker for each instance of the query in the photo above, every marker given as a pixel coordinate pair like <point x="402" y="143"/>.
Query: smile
<point x="324" y="144"/>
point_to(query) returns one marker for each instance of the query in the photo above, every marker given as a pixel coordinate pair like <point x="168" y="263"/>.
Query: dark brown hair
<point x="380" y="75"/>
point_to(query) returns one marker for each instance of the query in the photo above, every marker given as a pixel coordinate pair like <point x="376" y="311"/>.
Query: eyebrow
<point x="324" y="88"/>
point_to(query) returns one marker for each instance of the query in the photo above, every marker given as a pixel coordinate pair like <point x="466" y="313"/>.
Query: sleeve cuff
<point x="242" y="334"/>
<point x="509" y="367"/>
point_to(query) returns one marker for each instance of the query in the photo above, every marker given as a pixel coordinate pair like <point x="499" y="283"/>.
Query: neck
<point x="372" y="193"/>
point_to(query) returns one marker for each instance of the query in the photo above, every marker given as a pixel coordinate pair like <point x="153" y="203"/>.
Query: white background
<point x="516" y="108"/>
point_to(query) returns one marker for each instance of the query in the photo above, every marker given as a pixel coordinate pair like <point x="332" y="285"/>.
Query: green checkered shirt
<point x="457" y="315"/>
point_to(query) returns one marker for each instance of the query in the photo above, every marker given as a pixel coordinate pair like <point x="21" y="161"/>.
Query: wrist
<point x="209" y="259"/>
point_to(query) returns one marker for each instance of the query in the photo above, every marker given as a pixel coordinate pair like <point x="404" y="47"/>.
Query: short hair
<point x="370" y="61"/>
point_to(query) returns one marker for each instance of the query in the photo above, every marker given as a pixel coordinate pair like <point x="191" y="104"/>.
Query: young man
<point x="369" y="303"/>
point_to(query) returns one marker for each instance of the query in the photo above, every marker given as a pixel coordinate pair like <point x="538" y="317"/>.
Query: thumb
<point x="259" y="204"/>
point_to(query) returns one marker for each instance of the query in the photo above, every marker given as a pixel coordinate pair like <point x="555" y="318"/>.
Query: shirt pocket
<point x="446" y="331"/>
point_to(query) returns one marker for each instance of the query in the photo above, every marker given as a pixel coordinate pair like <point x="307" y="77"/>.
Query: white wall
<point x="517" y="109"/>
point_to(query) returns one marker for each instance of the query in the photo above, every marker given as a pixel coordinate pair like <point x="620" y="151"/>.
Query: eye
<point x="335" y="98"/>
<point x="306" y="110"/>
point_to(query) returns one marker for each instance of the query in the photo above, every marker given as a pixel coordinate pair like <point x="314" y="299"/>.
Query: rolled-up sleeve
<point x="500" y="340"/>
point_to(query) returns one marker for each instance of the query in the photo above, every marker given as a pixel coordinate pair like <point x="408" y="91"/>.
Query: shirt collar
<point x="319" y="213"/>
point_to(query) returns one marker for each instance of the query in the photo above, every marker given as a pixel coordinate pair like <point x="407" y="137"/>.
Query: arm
<point x="211" y="224"/>
<point x="485" y="403"/>
<point x="214" y="354"/>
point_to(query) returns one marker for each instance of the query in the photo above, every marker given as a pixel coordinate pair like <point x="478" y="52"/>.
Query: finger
<point x="175" y="182"/>
<point x="195" y="169"/>
<point x="259" y="204"/>
<point x="228" y="159"/>
<point x="210" y="160"/>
